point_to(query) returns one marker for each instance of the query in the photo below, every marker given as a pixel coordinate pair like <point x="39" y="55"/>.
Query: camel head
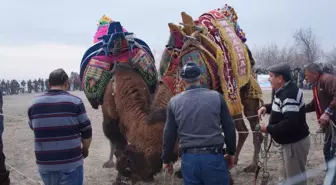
<point x="133" y="164"/>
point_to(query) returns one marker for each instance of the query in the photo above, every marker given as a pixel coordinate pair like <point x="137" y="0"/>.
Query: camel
<point x="132" y="100"/>
<point x="197" y="41"/>
<point x="185" y="44"/>
<point x="133" y="121"/>
<point x="119" y="74"/>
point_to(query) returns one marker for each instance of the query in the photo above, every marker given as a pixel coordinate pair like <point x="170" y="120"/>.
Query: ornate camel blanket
<point x="116" y="46"/>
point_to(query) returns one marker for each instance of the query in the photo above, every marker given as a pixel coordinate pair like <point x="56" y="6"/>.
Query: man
<point x="62" y="133"/>
<point x="198" y="117"/>
<point x="287" y="123"/>
<point x="23" y="84"/>
<point x="42" y="85"/>
<point x="4" y="173"/>
<point x="323" y="103"/>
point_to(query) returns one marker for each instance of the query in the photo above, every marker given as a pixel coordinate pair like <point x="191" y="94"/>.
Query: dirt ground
<point x="19" y="149"/>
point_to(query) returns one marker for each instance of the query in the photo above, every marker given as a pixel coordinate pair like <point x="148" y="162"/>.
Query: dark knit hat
<point x="190" y="72"/>
<point x="282" y="69"/>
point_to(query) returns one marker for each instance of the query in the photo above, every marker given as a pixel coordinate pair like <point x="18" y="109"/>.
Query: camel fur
<point x="126" y="107"/>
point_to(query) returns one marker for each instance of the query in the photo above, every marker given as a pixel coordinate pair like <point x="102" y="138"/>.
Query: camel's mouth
<point x="130" y="162"/>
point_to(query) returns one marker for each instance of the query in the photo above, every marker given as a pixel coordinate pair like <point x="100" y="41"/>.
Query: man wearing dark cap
<point x="62" y="132"/>
<point x="324" y="104"/>
<point x="199" y="116"/>
<point x="4" y="173"/>
<point x="287" y="124"/>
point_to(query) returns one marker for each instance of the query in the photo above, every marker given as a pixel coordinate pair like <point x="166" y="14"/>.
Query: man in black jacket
<point x="4" y="173"/>
<point x="287" y="123"/>
<point x="199" y="117"/>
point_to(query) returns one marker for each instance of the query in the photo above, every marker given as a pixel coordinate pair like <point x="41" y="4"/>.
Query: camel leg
<point x="109" y="163"/>
<point x="251" y="107"/>
<point x="242" y="134"/>
<point x="117" y="140"/>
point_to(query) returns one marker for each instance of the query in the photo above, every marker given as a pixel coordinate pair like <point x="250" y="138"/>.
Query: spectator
<point x="287" y="124"/>
<point x="324" y="104"/>
<point x="4" y="173"/>
<point x="62" y="133"/>
<point x="198" y="117"/>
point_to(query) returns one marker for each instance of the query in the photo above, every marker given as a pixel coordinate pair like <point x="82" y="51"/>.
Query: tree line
<point x="304" y="50"/>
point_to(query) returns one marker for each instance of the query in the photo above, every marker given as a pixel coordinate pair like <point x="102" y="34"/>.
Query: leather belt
<point x="204" y="150"/>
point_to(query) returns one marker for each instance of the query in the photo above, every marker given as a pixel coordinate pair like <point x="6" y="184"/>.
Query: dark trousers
<point x="4" y="173"/>
<point x="329" y="153"/>
<point x="204" y="169"/>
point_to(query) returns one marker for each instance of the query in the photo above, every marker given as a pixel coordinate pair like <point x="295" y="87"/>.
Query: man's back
<point x="197" y="114"/>
<point x="59" y="122"/>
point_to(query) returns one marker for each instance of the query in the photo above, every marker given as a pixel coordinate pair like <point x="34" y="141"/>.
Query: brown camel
<point x="192" y="40"/>
<point x="132" y="161"/>
<point x="126" y="107"/>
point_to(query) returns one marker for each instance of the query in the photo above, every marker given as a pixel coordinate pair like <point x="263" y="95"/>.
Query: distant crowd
<point x="12" y="87"/>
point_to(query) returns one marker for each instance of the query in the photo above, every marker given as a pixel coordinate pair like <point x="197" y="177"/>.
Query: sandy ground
<point x="18" y="148"/>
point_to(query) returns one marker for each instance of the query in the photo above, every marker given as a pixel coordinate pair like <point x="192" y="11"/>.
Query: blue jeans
<point x="204" y="169"/>
<point x="71" y="177"/>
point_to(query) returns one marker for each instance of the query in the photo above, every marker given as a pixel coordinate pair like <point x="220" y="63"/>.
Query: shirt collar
<point x="193" y="87"/>
<point x="56" y="91"/>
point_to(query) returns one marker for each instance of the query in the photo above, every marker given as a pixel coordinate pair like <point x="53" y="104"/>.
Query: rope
<point x="37" y="182"/>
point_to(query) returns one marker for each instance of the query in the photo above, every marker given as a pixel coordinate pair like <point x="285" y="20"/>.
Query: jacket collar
<point x="283" y="87"/>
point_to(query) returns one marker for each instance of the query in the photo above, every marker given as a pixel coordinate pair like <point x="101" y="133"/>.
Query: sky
<point x="38" y="36"/>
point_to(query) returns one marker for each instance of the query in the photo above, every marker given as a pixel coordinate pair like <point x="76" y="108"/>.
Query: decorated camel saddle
<point x="216" y="43"/>
<point x="113" y="45"/>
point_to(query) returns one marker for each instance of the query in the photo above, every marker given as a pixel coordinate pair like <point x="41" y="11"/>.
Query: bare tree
<point x="305" y="42"/>
<point x="331" y="57"/>
<point x="272" y="54"/>
<point x="266" y="56"/>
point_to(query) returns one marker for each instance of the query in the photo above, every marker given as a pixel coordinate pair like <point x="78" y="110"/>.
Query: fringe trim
<point x="235" y="107"/>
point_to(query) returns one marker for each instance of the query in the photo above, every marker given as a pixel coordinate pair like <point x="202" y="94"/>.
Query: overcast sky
<point x="37" y="36"/>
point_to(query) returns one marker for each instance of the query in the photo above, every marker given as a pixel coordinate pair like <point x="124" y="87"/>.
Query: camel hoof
<point x="109" y="164"/>
<point x="250" y="169"/>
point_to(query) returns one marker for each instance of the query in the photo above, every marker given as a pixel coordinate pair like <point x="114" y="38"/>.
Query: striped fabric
<point x="59" y="122"/>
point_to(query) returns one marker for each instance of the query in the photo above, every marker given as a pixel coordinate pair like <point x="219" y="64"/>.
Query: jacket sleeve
<point x="169" y="135"/>
<point x="29" y="118"/>
<point x="83" y="121"/>
<point x="268" y="108"/>
<point x="330" y="88"/>
<point x="290" y="109"/>
<point x="228" y="127"/>
<point x="310" y="107"/>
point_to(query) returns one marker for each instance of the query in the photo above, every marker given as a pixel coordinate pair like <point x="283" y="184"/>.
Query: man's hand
<point x="85" y="152"/>
<point x="169" y="167"/>
<point x="230" y="160"/>
<point x="261" y="112"/>
<point x="324" y="119"/>
<point x="263" y="128"/>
